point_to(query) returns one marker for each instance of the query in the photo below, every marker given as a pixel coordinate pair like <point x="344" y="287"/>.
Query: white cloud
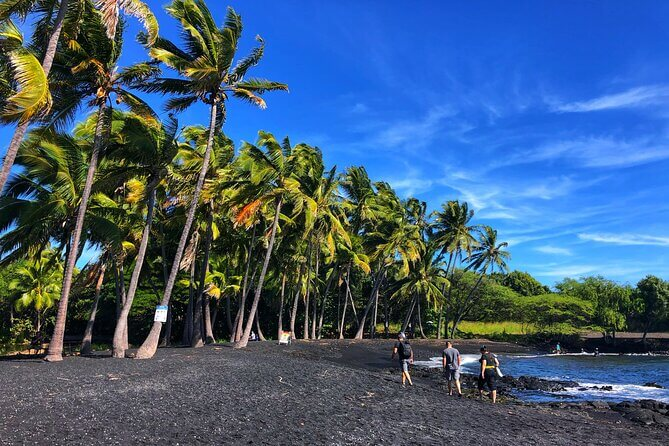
<point x="625" y="239"/>
<point x="593" y="152"/>
<point x="359" y="108"/>
<point x="407" y="187"/>
<point x="561" y="271"/>
<point x="556" y="250"/>
<point x="634" y="97"/>
<point x="419" y="132"/>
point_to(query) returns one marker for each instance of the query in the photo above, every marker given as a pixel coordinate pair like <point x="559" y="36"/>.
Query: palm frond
<point x="33" y="95"/>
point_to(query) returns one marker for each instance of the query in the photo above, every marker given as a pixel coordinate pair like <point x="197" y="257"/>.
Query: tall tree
<point x="489" y="254"/>
<point x="93" y="59"/>
<point x="271" y="176"/>
<point x="208" y="76"/>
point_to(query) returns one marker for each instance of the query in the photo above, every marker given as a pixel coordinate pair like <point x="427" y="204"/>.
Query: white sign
<point x="161" y="314"/>
<point x="285" y="337"/>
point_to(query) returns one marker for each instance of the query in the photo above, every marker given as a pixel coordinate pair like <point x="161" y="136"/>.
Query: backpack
<point x="406" y="350"/>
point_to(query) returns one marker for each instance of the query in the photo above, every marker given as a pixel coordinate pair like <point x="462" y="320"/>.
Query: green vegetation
<point x="263" y="237"/>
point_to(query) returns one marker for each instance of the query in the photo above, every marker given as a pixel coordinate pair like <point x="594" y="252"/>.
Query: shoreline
<point x="316" y="392"/>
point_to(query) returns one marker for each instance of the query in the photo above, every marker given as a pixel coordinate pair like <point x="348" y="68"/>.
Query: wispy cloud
<point x="593" y="152"/>
<point x="358" y="108"/>
<point x="634" y="97"/>
<point x="556" y="250"/>
<point x="407" y="187"/>
<point x="416" y="131"/>
<point x="625" y="239"/>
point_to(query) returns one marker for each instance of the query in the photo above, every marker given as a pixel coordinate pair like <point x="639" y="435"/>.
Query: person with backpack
<point x="404" y="351"/>
<point x="488" y="374"/>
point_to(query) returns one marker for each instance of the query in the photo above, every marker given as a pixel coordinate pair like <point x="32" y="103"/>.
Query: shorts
<point x="490" y="378"/>
<point x="452" y="374"/>
<point x="405" y="365"/>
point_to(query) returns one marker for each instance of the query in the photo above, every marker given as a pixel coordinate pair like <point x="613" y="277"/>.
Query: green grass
<point x="496" y="328"/>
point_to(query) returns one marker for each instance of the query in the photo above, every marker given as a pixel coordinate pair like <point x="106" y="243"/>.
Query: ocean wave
<point x="618" y="392"/>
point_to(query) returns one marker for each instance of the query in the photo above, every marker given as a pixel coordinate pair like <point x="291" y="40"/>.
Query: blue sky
<point x="550" y="118"/>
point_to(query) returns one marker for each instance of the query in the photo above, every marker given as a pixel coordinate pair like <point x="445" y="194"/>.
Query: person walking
<point x="403" y="350"/>
<point x="451" y="365"/>
<point x="488" y="374"/>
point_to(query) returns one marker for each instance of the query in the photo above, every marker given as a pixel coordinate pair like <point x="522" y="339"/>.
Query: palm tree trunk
<point x="56" y="344"/>
<point x="258" y="329"/>
<point x="314" y="305"/>
<point x="305" y="332"/>
<point x="279" y="323"/>
<point x="372" y="329"/>
<point x="409" y="314"/>
<point x="293" y="313"/>
<point x="21" y="129"/>
<point x="254" y="307"/>
<point x="188" y="317"/>
<point x="197" y="337"/>
<point x="209" y="320"/>
<point x="119" y="344"/>
<point x="370" y="302"/>
<point x="342" y="322"/>
<point x="148" y="348"/>
<point x="325" y="299"/>
<point x="163" y="252"/>
<point x="420" y="322"/>
<point x="386" y="315"/>
<point x="239" y="321"/>
<point x="88" y="333"/>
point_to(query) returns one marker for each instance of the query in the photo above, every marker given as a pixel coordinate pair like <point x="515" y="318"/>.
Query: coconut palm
<point x="144" y="149"/>
<point x="395" y="236"/>
<point x="454" y="234"/>
<point x="270" y="176"/>
<point x="94" y="76"/>
<point x="190" y="158"/>
<point x="33" y="96"/>
<point x="208" y="75"/>
<point x="488" y="256"/>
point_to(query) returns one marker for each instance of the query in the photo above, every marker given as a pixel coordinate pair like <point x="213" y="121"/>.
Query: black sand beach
<point x="329" y="392"/>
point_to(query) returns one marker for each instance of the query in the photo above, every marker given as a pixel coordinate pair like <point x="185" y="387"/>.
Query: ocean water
<point x="627" y="374"/>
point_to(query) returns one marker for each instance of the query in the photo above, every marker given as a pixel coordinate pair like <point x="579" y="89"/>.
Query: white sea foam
<point x="618" y="392"/>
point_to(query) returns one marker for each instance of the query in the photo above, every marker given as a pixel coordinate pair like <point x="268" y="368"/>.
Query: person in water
<point x="488" y="373"/>
<point x="403" y="350"/>
<point x="451" y="365"/>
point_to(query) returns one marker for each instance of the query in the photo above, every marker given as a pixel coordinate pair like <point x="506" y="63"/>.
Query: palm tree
<point x="487" y="256"/>
<point x="426" y="280"/>
<point x="33" y="96"/>
<point x="149" y="147"/>
<point x="269" y="176"/>
<point x="394" y="237"/>
<point x="93" y="58"/>
<point x="208" y="76"/>
<point x="454" y="234"/>
<point x="37" y="286"/>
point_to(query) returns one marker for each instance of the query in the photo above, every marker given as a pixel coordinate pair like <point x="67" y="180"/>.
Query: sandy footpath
<point x="330" y="392"/>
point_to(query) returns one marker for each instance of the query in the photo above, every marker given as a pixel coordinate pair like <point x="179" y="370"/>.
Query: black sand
<point x="310" y="393"/>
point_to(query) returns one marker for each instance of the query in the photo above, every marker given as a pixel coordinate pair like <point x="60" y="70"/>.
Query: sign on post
<point x="161" y="314"/>
<point x="285" y="337"/>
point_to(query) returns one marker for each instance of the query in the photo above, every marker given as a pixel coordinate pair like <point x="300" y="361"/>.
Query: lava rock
<point x="653" y="384"/>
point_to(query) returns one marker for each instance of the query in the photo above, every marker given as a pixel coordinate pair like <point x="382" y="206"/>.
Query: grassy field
<point x="496" y="328"/>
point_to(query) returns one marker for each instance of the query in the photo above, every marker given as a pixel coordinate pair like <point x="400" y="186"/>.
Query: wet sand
<point x="318" y="392"/>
